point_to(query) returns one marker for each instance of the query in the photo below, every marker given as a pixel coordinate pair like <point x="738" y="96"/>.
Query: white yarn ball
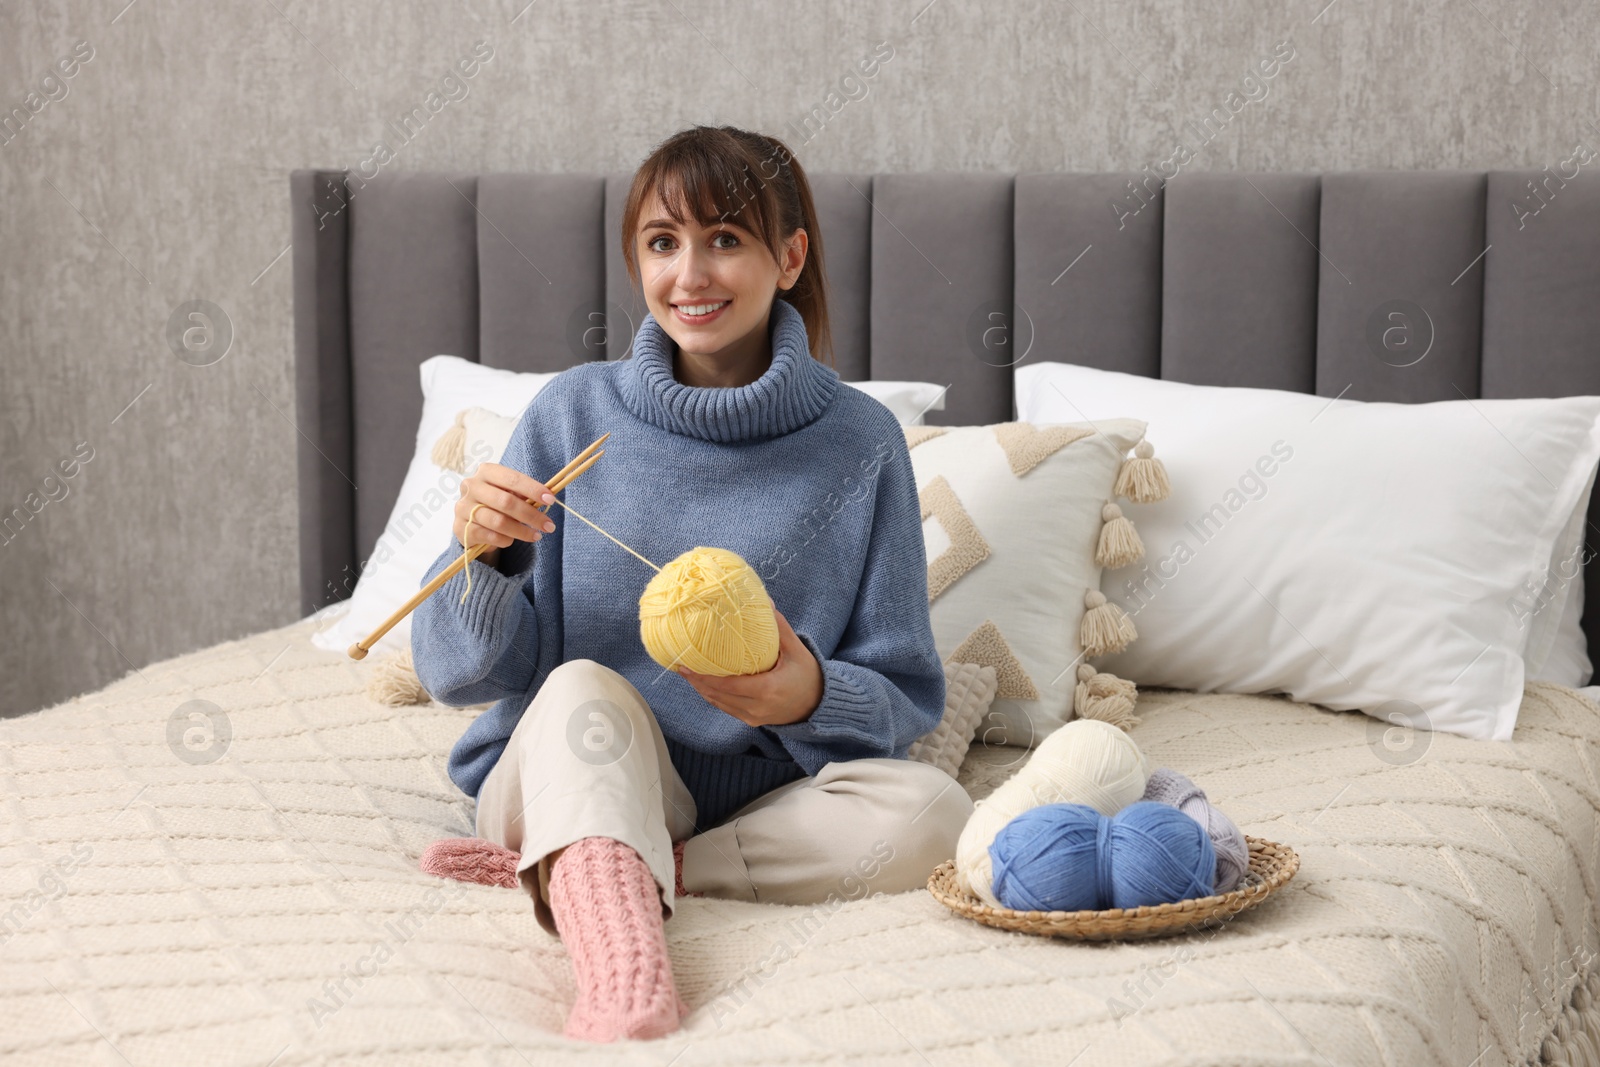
<point x="1087" y="761"/>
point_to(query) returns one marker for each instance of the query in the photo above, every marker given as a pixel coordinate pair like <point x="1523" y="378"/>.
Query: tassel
<point x="450" y="451"/>
<point x="1143" y="479"/>
<point x="1119" y="541"/>
<point x="1104" y="696"/>
<point x="394" y="682"/>
<point x="1105" y="627"/>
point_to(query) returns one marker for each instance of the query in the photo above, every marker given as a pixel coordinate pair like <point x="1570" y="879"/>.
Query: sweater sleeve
<point x="884" y="685"/>
<point x="485" y="649"/>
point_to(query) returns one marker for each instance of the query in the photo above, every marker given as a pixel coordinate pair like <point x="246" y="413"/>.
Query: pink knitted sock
<point x="607" y="908"/>
<point x="471" y="859"/>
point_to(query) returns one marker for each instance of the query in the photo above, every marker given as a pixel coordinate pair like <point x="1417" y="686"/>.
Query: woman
<point x="615" y="786"/>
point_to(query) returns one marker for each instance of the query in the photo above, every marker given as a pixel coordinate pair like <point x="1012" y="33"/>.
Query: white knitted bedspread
<point x="265" y="907"/>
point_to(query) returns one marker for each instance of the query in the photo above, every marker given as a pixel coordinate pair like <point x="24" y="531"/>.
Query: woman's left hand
<point x="787" y="692"/>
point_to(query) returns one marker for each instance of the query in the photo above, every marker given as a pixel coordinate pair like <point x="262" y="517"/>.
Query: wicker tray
<point x="1271" y="866"/>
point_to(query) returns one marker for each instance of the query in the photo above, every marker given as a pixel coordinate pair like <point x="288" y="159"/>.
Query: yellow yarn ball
<point x="708" y="610"/>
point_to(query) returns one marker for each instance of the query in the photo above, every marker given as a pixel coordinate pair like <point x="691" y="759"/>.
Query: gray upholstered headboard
<point x="1274" y="280"/>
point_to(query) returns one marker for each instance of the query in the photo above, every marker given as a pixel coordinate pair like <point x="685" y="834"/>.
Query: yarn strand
<point x="647" y="563"/>
<point x="467" y="566"/>
<point x="468" y="532"/>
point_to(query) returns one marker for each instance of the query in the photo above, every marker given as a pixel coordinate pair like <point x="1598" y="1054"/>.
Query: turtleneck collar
<point x="793" y="392"/>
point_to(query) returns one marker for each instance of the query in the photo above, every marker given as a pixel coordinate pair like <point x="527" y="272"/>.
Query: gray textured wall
<point x="158" y="173"/>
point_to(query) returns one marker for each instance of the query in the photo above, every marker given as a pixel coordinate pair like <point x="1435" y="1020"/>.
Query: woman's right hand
<point x="506" y="515"/>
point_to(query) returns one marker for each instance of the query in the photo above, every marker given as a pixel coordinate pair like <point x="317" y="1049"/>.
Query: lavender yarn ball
<point x="1167" y="786"/>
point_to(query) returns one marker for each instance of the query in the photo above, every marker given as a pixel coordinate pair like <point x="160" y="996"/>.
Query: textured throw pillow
<point x="424" y="512"/>
<point x="1018" y="521"/>
<point x="1361" y="556"/>
<point x="968" y="691"/>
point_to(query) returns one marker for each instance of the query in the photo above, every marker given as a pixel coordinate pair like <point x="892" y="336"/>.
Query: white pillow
<point x="420" y="523"/>
<point x="1568" y="663"/>
<point x="1566" y="659"/>
<point x="1012" y="520"/>
<point x="1355" y="555"/>
<point x="908" y="400"/>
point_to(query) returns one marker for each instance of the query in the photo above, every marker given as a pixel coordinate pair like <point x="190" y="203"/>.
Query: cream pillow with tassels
<point x="1018" y="522"/>
<point x="475" y="424"/>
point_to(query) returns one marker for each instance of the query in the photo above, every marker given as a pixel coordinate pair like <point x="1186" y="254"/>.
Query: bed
<point x="258" y="901"/>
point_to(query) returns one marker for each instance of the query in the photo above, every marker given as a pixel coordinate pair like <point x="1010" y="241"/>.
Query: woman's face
<point x="711" y="288"/>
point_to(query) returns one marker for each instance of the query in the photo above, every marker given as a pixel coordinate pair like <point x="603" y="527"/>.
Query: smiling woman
<point x="710" y="264"/>
<point x="728" y="440"/>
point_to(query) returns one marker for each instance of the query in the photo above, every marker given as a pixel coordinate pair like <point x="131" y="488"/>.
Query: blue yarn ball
<point x="1046" y="859"/>
<point x="1159" y="859"/>
<point x="1069" y="857"/>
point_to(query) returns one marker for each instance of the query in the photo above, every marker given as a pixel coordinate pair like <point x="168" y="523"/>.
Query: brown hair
<point x="718" y="172"/>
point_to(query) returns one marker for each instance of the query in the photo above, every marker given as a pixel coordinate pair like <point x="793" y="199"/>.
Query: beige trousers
<point x="588" y="759"/>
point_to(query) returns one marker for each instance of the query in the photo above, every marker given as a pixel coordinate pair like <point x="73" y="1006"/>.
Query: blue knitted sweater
<point x="809" y="480"/>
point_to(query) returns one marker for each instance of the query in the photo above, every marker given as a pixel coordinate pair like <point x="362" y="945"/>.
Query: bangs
<point x="704" y="189"/>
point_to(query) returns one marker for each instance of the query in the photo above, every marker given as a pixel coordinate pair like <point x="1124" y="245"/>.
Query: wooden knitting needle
<point x="564" y="477"/>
